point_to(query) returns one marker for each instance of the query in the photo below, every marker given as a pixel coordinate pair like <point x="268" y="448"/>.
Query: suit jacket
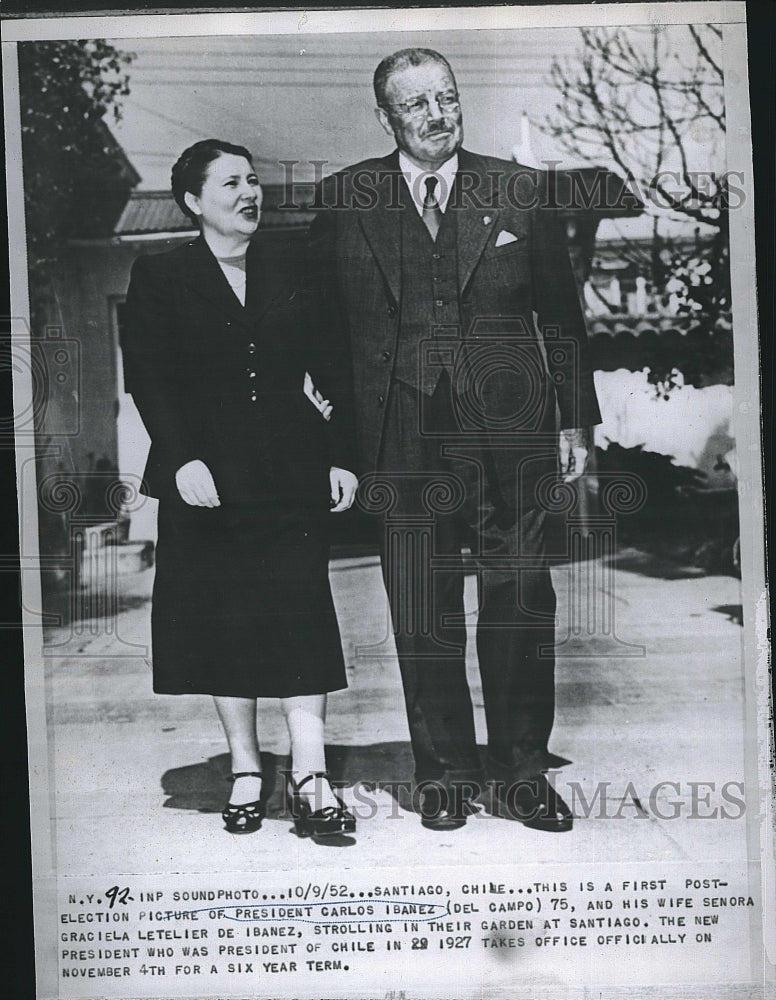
<point x="513" y="377"/>
<point x="223" y="383"/>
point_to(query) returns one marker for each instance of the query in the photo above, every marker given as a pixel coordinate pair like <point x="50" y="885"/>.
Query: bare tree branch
<point x="649" y="103"/>
<point x="712" y="63"/>
<point x="632" y="101"/>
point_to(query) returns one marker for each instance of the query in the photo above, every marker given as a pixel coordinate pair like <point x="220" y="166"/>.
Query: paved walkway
<point x="139" y="778"/>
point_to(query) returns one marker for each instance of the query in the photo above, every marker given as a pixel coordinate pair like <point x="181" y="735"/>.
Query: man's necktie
<point x="432" y="213"/>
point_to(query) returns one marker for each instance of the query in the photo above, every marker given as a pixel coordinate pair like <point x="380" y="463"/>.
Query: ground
<point x="650" y="691"/>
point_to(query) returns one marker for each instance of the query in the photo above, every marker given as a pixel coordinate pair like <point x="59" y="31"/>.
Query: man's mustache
<point x="435" y="129"/>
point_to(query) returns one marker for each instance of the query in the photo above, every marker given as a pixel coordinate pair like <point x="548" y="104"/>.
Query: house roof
<point x="151" y="212"/>
<point x="628" y="325"/>
<point x="701" y="350"/>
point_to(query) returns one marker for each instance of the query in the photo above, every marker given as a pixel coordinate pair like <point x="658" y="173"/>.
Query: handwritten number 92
<point x="116" y="895"/>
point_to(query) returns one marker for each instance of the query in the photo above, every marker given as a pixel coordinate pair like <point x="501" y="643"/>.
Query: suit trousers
<point x="444" y="495"/>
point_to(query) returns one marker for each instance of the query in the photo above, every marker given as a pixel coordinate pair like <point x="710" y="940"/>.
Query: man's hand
<point x="343" y="488"/>
<point x="195" y="485"/>
<point x="322" y="405"/>
<point x="574" y="451"/>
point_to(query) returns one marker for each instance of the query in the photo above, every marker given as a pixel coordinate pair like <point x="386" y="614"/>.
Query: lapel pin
<point x="486" y="220"/>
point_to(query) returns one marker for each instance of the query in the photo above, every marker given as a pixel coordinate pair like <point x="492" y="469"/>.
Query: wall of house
<point x="73" y="335"/>
<point x="90" y="435"/>
<point x="109" y="269"/>
<point x="82" y="393"/>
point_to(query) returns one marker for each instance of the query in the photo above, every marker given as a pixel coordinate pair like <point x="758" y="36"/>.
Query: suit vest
<point x="429" y="298"/>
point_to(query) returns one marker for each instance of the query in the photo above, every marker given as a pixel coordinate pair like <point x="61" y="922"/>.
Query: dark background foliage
<point x="67" y="90"/>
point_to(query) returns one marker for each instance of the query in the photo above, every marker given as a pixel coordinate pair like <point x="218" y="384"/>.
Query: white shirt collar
<point x="415" y="176"/>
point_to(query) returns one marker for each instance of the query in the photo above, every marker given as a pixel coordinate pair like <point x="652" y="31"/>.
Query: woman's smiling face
<point x="229" y="203"/>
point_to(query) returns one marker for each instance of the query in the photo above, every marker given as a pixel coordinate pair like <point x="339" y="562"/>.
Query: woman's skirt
<point x="242" y="606"/>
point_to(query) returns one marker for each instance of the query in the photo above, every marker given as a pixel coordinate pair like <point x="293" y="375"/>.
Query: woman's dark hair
<point x="190" y="170"/>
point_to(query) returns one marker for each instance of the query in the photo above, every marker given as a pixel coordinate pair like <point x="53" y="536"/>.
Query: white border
<point x="345" y="21"/>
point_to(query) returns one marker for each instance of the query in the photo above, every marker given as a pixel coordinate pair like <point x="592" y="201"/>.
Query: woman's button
<point x="251" y="348"/>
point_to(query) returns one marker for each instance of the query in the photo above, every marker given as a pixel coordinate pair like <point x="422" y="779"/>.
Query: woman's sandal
<point x="247" y="816"/>
<point x="325" y="822"/>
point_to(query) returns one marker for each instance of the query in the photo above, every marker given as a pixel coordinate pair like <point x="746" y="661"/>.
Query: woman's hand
<point x="343" y="488"/>
<point x="323" y="406"/>
<point x="196" y="486"/>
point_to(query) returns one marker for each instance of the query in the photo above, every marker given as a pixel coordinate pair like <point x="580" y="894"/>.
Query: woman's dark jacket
<point x="222" y="383"/>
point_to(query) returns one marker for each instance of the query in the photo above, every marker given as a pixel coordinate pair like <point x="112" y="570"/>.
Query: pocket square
<point x="505" y="237"/>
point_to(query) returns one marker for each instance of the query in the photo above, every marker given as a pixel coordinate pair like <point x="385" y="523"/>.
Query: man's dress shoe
<point x="444" y="809"/>
<point x="534" y="803"/>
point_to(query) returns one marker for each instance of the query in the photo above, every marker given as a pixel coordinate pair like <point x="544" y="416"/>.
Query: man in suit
<point x="436" y="262"/>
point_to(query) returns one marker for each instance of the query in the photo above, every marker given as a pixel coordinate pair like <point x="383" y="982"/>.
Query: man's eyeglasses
<point x="418" y="107"/>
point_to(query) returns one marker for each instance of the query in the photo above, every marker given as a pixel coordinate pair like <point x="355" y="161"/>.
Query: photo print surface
<point x="388" y="460"/>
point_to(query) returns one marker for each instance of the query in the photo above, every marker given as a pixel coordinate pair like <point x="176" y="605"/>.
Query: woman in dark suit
<point x="221" y="334"/>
